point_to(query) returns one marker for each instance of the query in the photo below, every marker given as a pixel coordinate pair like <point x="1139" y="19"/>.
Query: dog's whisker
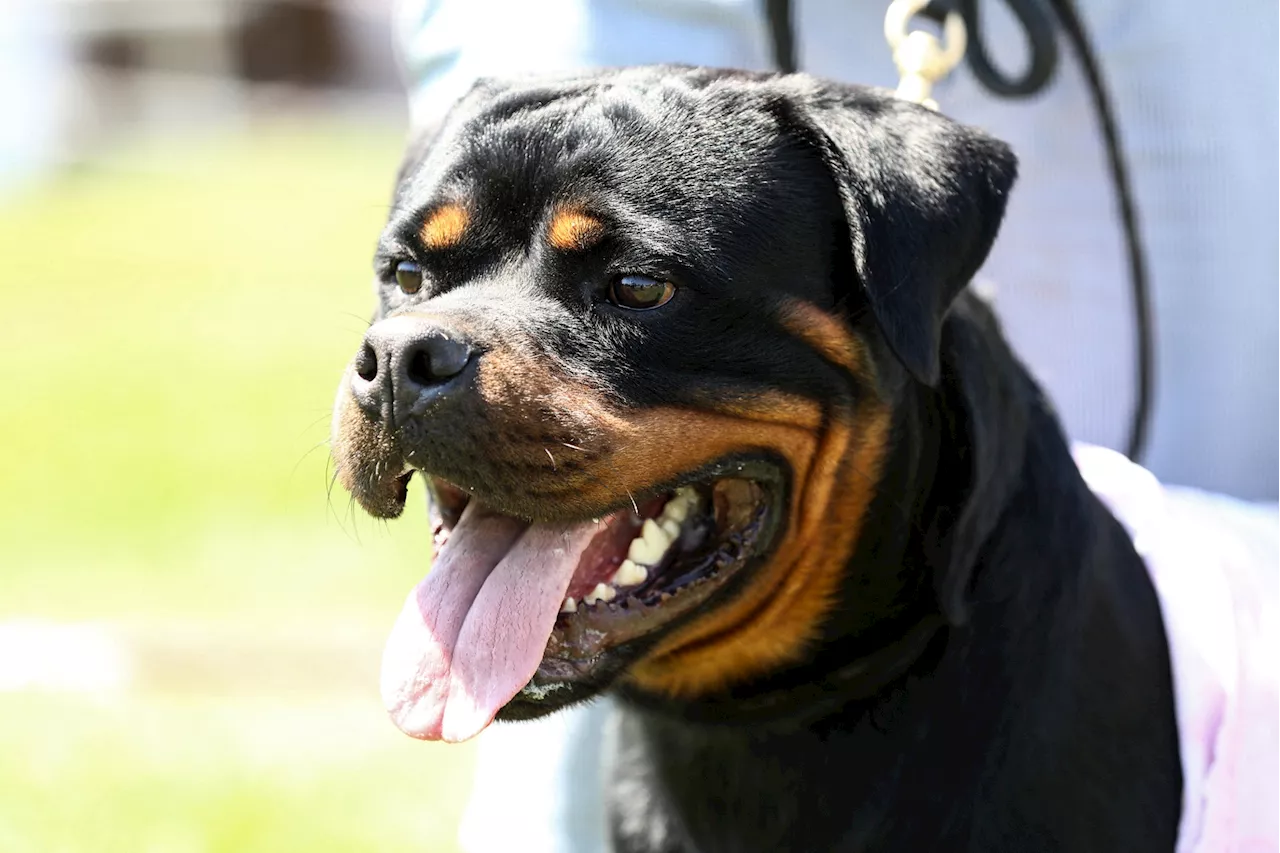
<point x="293" y="472"/>
<point x="333" y="511"/>
<point x="324" y="417"/>
<point x="366" y="322"/>
<point x="351" y="514"/>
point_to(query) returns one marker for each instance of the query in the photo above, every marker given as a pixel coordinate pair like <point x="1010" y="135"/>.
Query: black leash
<point x="1037" y="22"/>
<point x="778" y="13"/>
<point x="1138" y="282"/>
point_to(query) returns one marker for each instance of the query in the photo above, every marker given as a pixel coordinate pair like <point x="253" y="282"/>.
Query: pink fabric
<point x="1220" y="611"/>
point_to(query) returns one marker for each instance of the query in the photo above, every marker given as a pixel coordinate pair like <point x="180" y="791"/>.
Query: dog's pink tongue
<point x="472" y="633"/>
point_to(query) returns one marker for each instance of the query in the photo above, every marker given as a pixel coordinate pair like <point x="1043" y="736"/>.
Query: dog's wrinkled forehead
<point x="687" y="162"/>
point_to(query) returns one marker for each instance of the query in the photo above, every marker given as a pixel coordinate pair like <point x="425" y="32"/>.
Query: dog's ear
<point x="923" y="197"/>
<point x="987" y="407"/>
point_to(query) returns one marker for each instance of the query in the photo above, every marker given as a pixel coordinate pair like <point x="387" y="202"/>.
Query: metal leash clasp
<point x="922" y="58"/>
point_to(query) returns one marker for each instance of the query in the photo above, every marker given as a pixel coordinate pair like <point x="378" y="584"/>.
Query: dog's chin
<point x="663" y="556"/>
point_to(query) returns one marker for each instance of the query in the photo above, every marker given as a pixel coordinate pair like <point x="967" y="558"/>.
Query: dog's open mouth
<point x="513" y="608"/>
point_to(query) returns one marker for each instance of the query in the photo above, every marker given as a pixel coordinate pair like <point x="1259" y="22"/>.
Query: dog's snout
<point x="405" y="364"/>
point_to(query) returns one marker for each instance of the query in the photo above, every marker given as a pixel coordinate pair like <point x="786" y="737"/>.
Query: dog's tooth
<point x="650" y="545"/>
<point x="569" y="606"/>
<point x="683" y="503"/>
<point x="630" y="573"/>
<point x="621" y="573"/>
<point x="671" y="528"/>
<point x="602" y="592"/>
<point x="655" y="535"/>
<point x="642" y="552"/>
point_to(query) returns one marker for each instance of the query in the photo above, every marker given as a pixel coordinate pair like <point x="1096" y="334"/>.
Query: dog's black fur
<point x="993" y="675"/>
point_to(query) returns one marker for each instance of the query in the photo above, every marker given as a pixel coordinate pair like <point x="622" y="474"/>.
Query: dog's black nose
<point x="406" y="364"/>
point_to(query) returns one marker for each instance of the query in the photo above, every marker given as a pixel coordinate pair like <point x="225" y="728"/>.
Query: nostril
<point x="420" y="369"/>
<point x="367" y="363"/>
<point x="435" y="360"/>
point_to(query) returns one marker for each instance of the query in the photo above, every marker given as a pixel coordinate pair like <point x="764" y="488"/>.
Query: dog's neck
<point x="991" y="605"/>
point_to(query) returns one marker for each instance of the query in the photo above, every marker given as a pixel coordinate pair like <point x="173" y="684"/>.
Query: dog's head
<point x="643" y="333"/>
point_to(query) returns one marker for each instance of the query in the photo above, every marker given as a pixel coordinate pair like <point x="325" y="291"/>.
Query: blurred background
<point x="190" y="625"/>
<point x="191" y="621"/>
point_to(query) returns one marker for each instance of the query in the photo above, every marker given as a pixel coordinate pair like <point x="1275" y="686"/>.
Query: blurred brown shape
<point x="289" y="42"/>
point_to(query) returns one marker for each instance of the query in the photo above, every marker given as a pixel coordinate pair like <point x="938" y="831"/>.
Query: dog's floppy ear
<point x="987" y="410"/>
<point x="923" y="197"/>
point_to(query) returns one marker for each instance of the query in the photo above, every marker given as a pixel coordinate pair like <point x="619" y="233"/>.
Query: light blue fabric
<point x="447" y="44"/>
<point x="33" y="70"/>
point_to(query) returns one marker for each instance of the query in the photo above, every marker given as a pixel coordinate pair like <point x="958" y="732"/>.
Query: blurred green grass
<point x="189" y="775"/>
<point x="173" y="322"/>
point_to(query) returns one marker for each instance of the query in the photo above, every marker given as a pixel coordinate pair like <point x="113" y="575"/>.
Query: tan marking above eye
<point x="445" y="226"/>
<point x="573" y="230"/>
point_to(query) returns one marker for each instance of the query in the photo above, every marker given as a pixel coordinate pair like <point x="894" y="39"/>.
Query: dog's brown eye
<point x="409" y="276"/>
<point x="640" y="292"/>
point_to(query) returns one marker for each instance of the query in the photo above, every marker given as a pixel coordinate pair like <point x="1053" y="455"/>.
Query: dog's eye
<point x="409" y="276"/>
<point x="640" y="292"/>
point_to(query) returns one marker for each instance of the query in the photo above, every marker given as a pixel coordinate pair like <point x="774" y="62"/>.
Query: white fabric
<point x="1219" y="604"/>
<point x="1195" y="91"/>
<point x="539" y="786"/>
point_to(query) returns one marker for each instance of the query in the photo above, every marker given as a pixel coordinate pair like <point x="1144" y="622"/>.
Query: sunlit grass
<point x="173" y="322"/>
<point x="189" y="775"/>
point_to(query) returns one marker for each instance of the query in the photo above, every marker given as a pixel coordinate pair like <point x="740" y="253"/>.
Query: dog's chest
<point x="672" y="789"/>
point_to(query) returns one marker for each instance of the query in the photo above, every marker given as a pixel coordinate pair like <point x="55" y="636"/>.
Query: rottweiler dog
<point x="710" y="421"/>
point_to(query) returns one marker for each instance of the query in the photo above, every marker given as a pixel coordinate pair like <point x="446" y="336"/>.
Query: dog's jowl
<point x="710" y="422"/>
